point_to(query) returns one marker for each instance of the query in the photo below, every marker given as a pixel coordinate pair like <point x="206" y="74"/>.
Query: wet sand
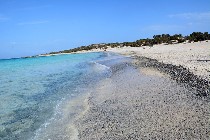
<point x="143" y="103"/>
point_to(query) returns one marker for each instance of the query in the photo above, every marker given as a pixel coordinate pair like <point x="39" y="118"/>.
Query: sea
<point x="35" y="91"/>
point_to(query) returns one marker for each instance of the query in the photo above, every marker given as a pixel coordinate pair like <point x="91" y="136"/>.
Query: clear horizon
<point x="36" y="27"/>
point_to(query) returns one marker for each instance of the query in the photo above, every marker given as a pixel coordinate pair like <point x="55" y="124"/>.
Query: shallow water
<point x="35" y="91"/>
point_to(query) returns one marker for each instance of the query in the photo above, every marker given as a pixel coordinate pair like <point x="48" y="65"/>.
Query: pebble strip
<point x="178" y="73"/>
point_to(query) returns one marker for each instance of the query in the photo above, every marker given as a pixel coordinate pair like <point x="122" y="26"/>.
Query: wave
<point x="97" y="67"/>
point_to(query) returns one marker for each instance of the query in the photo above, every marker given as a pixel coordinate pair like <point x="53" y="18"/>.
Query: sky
<point x="31" y="27"/>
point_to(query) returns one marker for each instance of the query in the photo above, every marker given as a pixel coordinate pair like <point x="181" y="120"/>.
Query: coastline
<point x="193" y="56"/>
<point x="151" y="96"/>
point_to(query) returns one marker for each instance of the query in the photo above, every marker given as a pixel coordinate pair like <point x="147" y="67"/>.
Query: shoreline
<point x="146" y="98"/>
<point x="193" y="56"/>
<point x="193" y="69"/>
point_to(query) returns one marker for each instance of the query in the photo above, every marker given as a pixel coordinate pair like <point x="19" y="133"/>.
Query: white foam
<point x="97" y="67"/>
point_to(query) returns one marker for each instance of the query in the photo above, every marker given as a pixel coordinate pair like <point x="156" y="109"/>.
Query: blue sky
<point x="29" y="27"/>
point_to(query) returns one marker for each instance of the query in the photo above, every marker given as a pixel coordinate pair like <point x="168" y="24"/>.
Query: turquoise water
<point x="31" y="89"/>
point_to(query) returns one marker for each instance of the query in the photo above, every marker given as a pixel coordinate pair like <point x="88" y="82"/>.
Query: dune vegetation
<point x="157" y="39"/>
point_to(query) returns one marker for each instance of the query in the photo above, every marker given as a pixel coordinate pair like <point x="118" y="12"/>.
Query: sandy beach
<point x="142" y="102"/>
<point x="194" y="56"/>
<point x="104" y="70"/>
